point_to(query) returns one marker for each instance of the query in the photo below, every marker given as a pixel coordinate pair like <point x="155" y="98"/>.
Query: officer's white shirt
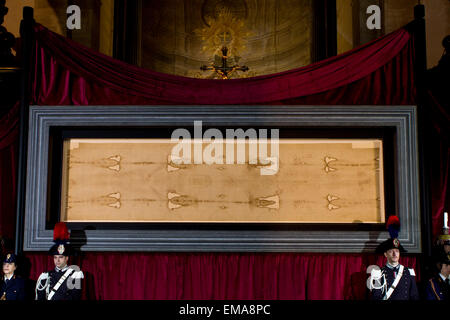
<point x="390" y="266"/>
<point x="63" y="269"/>
<point x="10" y="277"/>
<point x="442" y="277"/>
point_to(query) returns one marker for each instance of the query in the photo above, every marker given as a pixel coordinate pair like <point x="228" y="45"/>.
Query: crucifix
<point x="224" y="71"/>
<point x="225" y="37"/>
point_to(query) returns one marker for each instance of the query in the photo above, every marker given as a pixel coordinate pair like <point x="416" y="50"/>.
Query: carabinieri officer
<point x="63" y="282"/>
<point x="396" y="281"/>
<point x="12" y="287"/>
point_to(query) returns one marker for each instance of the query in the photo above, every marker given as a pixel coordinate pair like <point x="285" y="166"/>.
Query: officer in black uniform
<point x="394" y="281"/>
<point x="12" y="287"/>
<point x="63" y="282"/>
<point x="438" y="287"/>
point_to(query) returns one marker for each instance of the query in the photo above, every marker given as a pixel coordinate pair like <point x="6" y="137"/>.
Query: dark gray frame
<point x="403" y="118"/>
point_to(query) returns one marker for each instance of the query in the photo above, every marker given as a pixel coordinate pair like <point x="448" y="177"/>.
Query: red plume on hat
<point x="393" y="226"/>
<point x="61" y="233"/>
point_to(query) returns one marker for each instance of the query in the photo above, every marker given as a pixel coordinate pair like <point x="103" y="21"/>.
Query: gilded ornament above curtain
<point x="224" y="39"/>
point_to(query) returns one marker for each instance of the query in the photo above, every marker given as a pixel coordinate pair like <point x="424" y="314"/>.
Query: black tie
<point x="396" y="271"/>
<point x="6" y="281"/>
<point x="447" y="281"/>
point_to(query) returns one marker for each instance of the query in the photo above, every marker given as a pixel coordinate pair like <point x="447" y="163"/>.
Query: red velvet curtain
<point x="377" y="73"/>
<point x="439" y="146"/>
<point x="66" y="73"/>
<point x="9" y="133"/>
<point x="219" y="276"/>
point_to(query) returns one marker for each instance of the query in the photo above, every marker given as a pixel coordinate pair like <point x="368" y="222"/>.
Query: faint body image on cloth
<point x="135" y="180"/>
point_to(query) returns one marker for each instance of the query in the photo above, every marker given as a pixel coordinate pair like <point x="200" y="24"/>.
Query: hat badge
<point x="396" y="243"/>
<point x="61" y="249"/>
<point x="8" y="256"/>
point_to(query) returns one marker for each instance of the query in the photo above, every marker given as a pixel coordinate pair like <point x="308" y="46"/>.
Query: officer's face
<point x="60" y="261"/>
<point x="9" y="268"/>
<point x="392" y="255"/>
<point x="445" y="269"/>
<point x="447" y="248"/>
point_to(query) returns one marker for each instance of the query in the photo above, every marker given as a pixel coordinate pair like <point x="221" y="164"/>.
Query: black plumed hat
<point x="61" y="238"/>
<point x="393" y="226"/>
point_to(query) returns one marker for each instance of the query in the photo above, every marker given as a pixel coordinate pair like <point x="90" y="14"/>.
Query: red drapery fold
<point x="66" y="73"/>
<point x="439" y="146"/>
<point x="377" y="73"/>
<point x="9" y="133"/>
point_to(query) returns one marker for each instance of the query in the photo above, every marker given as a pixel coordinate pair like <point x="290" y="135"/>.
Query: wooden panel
<point x="139" y="180"/>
